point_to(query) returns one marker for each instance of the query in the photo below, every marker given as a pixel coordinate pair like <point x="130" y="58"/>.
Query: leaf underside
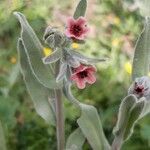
<point x="34" y="52"/>
<point x="42" y="97"/>
<point x="75" y="140"/>
<point x="80" y="9"/>
<point x="142" y="53"/>
<point x="89" y="123"/>
<point x="129" y="113"/>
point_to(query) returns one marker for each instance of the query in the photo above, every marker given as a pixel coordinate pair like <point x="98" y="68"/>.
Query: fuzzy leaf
<point x="33" y="49"/>
<point x="142" y="53"/>
<point x="80" y="9"/>
<point x="62" y="71"/>
<point x="86" y="60"/>
<point x="75" y="140"/>
<point x="134" y="116"/>
<point x="124" y="109"/>
<point x="129" y="112"/>
<point x="2" y="139"/>
<point x="55" y="56"/>
<point x="89" y="123"/>
<point x="37" y="91"/>
<point x="73" y="62"/>
<point x="146" y="109"/>
<point x="91" y="126"/>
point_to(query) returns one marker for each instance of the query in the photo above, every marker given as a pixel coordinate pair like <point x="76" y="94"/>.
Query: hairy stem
<point x="117" y="143"/>
<point x="59" y="116"/>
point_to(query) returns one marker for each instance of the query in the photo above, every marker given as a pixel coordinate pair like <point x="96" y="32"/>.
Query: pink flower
<point x="76" y="28"/>
<point x="83" y="74"/>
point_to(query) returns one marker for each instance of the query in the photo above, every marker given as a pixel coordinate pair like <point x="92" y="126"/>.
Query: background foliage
<point x="115" y="26"/>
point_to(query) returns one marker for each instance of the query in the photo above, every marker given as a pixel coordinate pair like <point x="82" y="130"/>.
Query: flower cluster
<point x="141" y="87"/>
<point x="74" y="67"/>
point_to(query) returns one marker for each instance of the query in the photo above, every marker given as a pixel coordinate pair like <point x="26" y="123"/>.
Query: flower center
<point x="139" y="89"/>
<point x="83" y="74"/>
<point x="76" y="29"/>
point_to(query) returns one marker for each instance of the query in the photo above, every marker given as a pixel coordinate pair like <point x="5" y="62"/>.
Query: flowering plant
<point x="50" y="77"/>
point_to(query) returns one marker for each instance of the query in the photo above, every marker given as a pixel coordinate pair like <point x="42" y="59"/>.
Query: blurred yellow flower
<point x="115" y="42"/>
<point x="128" y="67"/>
<point x="149" y="74"/>
<point x="75" y="45"/>
<point x="13" y="60"/>
<point x="47" y="51"/>
<point x="116" y="21"/>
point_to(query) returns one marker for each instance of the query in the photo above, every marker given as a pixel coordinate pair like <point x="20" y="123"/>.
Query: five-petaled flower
<point x="141" y="87"/>
<point x="82" y="75"/>
<point x="76" y="29"/>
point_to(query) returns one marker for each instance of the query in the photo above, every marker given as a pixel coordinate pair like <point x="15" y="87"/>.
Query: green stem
<point x="59" y="116"/>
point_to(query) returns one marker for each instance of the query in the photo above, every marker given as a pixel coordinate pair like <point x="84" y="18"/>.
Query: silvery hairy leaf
<point x="135" y="113"/>
<point x="129" y="113"/>
<point x="55" y="56"/>
<point x="89" y="119"/>
<point x="34" y="51"/>
<point x="71" y="60"/>
<point x="146" y="109"/>
<point x="67" y="92"/>
<point x="68" y="74"/>
<point x="76" y="140"/>
<point x="62" y="71"/>
<point x="142" y="52"/>
<point x="42" y="97"/>
<point x="2" y="139"/>
<point x="80" y="9"/>
<point x="91" y="126"/>
<point x="86" y="60"/>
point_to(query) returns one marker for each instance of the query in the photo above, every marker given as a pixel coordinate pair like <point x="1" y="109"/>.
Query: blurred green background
<point x="115" y="26"/>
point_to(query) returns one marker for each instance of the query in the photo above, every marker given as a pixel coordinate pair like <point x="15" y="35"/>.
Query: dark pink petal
<point x="81" y="21"/>
<point x="80" y="69"/>
<point x="68" y="33"/>
<point x="91" y="78"/>
<point x="83" y="33"/>
<point x="80" y="83"/>
<point x="70" y="22"/>
<point x="74" y="77"/>
<point x="91" y="69"/>
<point x="76" y="29"/>
<point x="83" y="74"/>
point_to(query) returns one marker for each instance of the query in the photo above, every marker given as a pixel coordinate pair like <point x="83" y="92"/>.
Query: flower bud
<point x="54" y="38"/>
<point x="141" y="87"/>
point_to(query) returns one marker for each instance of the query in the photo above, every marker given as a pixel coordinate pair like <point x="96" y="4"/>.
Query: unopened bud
<point x="141" y="87"/>
<point x="53" y="37"/>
